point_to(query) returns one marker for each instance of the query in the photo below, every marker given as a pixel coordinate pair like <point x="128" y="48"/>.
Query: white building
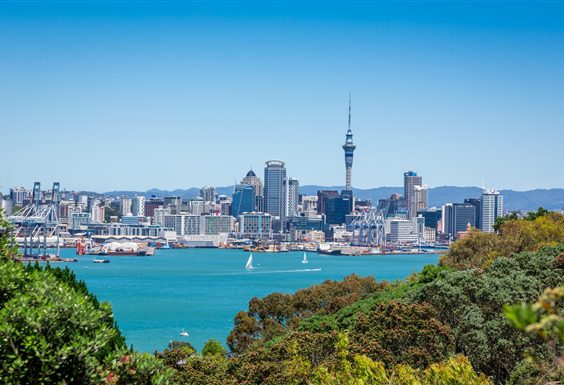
<point x="309" y="205"/>
<point x="138" y="206"/>
<point x="291" y="197"/>
<point x="216" y="224"/>
<point x="419" y="199"/>
<point x="401" y="231"/>
<point x="491" y="208"/>
<point x="79" y="221"/>
<point x="97" y="211"/>
<point x="159" y="215"/>
<point x="125" y="206"/>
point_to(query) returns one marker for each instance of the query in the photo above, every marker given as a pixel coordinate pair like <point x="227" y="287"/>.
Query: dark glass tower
<point x="349" y="148"/>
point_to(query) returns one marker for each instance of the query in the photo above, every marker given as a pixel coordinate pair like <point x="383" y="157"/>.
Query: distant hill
<point x="551" y="199"/>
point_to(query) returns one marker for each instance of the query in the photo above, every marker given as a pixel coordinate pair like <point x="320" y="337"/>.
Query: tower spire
<point x="349" y="111"/>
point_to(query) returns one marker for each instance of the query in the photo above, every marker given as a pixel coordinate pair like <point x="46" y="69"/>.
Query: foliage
<point x="402" y="333"/>
<point x="471" y="303"/>
<point x="52" y="330"/>
<point x="277" y="313"/>
<point x="126" y="368"/>
<point x="478" y="250"/>
<point x="544" y="319"/>
<point x="213" y="347"/>
<point x="8" y="248"/>
<point x="345" y="318"/>
<point x="49" y="333"/>
<point x="365" y="371"/>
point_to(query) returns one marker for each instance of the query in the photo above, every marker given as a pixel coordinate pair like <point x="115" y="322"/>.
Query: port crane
<point x="36" y="222"/>
<point x="369" y="228"/>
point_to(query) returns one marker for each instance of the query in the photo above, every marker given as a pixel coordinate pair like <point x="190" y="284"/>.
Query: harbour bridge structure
<point x="36" y="222"/>
<point x="369" y="228"/>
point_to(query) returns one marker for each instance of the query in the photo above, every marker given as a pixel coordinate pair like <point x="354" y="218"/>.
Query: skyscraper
<point x="125" y="206"/>
<point x="243" y="200"/>
<point x="138" y="206"/>
<point x="410" y="180"/>
<point x="491" y="209"/>
<point x="274" y="175"/>
<point x="349" y="148"/>
<point x="253" y="180"/>
<point x="291" y="197"/>
<point x="419" y="199"/>
<point x="457" y="217"/>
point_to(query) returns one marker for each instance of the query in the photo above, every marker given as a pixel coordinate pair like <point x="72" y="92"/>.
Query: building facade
<point x="291" y="197"/>
<point x="274" y="175"/>
<point x="243" y="200"/>
<point x="491" y="209"/>
<point x="410" y="180"/>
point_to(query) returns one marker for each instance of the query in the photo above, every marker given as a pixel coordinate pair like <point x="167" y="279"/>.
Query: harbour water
<point x="201" y="290"/>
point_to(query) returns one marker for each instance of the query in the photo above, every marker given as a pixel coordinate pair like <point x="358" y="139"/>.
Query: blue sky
<point x="135" y="95"/>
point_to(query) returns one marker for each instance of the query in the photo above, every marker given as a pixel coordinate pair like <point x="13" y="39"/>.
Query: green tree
<point x="8" y="248"/>
<point x="402" y="333"/>
<point x="53" y="331"/>
<point x="213" y="347"/>
<point x="545" y="320"/>
<point x="471" y="303"/>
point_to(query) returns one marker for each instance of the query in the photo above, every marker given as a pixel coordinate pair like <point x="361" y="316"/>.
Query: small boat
<point x="305" y="259"/>
<point x="184" y="333"/>
<point x="95" y="260"/>
<point x="249" y="265"/>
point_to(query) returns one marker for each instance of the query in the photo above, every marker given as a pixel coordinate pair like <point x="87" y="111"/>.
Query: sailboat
<point x="249" y="264"/>
<point x="184" y="333"/>
<point x="305" y="259"/>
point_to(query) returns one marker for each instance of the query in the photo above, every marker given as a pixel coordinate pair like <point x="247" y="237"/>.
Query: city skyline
<point x="134" y="96"/>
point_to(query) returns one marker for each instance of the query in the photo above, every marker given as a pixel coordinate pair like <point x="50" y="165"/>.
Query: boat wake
<point x="285" y="271"/>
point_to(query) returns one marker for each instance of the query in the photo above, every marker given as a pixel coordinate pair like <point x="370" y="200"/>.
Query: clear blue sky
<point x="135" y="95"/>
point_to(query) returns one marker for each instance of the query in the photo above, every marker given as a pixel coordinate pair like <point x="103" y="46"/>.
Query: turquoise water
<point x="201" y="290"/>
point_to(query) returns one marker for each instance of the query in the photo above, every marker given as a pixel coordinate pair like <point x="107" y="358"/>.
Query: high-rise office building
<point x="478" y="208"/>
<point x="152" y="204"/>
<point x="291" y="197"/>
<point x="18" y="195"/>
<point x="274" y="175"/>
<point x="207" y="193"/>
<point x="253" y="180"/>
<point x="419" y="199"/>
<point x="349" y="148"/>
<point x="125" y="206"/>
<point x="174" y="203"/>
<point x="138" y="206"/>
<point x="410" y="180"/>
<point x="243" y="200"/>
<point x="457" y="217"/>
<point x="491" y="209"/>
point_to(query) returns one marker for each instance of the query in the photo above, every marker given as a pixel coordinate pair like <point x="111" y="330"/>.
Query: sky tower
<point x="349" y="150"/>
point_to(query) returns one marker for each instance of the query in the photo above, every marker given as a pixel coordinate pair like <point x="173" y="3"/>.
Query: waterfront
<point x="201" y="290"/>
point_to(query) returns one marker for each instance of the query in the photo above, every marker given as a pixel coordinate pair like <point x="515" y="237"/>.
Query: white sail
<point x="305" y="259"/>
<point x="249" y="264"/>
